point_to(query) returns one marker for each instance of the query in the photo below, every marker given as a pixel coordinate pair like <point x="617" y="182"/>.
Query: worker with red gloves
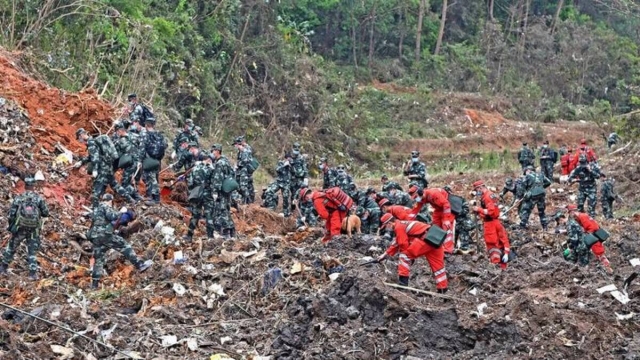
<point x="442" y="216"/>
<point x="495" y="236"/>
<point x="565" y="162"/>
<point x="397" y="211"/>
<point x="587" y="151"/>
<point x="589" y="226"/>
<point x="331" y="212"/>
<point x="410" y="243"/>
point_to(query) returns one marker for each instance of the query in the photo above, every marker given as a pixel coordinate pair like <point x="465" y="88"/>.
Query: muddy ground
<point x="228" y="299"/>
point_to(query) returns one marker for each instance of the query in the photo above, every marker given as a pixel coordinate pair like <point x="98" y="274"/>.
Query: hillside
<point x="219" y="301"/>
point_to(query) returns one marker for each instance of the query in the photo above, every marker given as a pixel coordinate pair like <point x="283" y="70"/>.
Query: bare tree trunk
<point x="491" y="10"/>
<point x="371" y="42"/>
<point x="443" y="20"/>
<point x="403" y="30"/>
<point x="523" y="40"/>
<point x="353" y="40"/>
<point x="419" y="30"/>
<point x="557" y="16"/>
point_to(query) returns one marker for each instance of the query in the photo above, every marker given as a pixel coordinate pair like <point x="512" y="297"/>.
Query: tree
<point x="443" y="20"/>
<point x="423" y="6"/>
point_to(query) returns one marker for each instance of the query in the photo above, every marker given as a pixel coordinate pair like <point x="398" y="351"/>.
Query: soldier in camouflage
<point x="329" y="174"/>
<point x="299" y="178"/>
<point x="464" y="225"/>
<point x="612" y="140"/>
<point x="127" y="149"/>
<point x="388" y="184"/>
<point x="586" y="175"/>
<point x="244" y="175"/>
<point x="534" y="196"/>
<point x="100" y="166"/>
<point x="136" y="112"/>
<point x="343" y="179"/>
<point x="416" y="170"/>
<point x="187" y="158"/>
<point x="136" y="133"/>
<point x="368" y="211"/>
<point x="222" y="170"/>
<point x="200" y="196"/>
<point x="241" y="140"/>
<point x="526" y="156"/>
<point x="282" y="184"/>
<point x="152" y="149"/>
<point x="187" y="135"/>
<point x="308" y="215"/>
<point x="399" y="197"/>
<point x="101" y="234"/>
<point x="548" y="157"/>
<point x="607" y="196"/>
<point x="577" y="251"/>
<point x="25" y="222"/>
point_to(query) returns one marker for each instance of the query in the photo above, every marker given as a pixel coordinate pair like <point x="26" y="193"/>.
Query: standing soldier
<point x="525" y="156"/>
<point x="136" y="133"/>
<point x="222" y="171"/>
<point x="565" y="162"/>
<point x="495" y="236"/>
<point x="343" y="180"/>
<point x="548" y="158"/>
<point x="329" y="174"/>
<point x="103" y="239"/>
<point x="586" y="175"/>
<point x="187" y="158"/>
<point x="127" y="161"/>
<point x="282" y="184"/>
<point x="415" y="170"/>
<point x="534" y="196"/>
<point x="612" y="140"/>
<point x="200" y="197"/>
<point x="464" y="225"/>
<point x="187" y="135"/>
<point x="244" y="172"/>
<point x="607" y="196"/>
<point x="299" y="174"/>
<point x="153" y="147"/>
<point x="411" y="244"/>
<point x="25" y="222"/>
<point x="102" y="155"/>
<point x="388" y="184"/>
<point x="137" y="111"/>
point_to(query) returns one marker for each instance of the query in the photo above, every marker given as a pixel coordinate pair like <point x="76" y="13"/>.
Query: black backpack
<point x="146" y="114"/>
<point x="156" y="145"/>
<point x="554" y="155"/>
<point x="28" y="215"/>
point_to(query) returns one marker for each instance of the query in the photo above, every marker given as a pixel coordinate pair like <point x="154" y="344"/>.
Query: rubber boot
<point x="95" y="284"/>
<point x="442" y="291"/>
<point x="3" y="269"/>
<point x="33" y="275"/>
<point x="144" y="265"/>
<point x="226" y="233"/>
<point x="209" y="234"/>
<point x="232" y="233"/>
<point x="403" y="280"/>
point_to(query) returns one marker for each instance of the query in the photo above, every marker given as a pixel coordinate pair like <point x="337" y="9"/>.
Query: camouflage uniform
<point x="282" y="184"/>
<point x="393" y="185"/>
<point x="136" y="134"/>
<point x="308" y="215"/>
<point x="329" y="178"/>
<point x="586" y="174"/>
<point x="150" y="177"/>
<point x="104" y="167"/>
<point x="526" y="156"/>
<point x="420" y="169"/>
<point x="102" y="236"/>
<point x="136" y="114"/>
<point x="185" y="160"/>
<point x="222" y="170"/>
<point x="532" y="181"/>
<point x="607" y="197"/>
<point x="299" y="173"/>
<point x="185" y="136"/>
<point x="343" y="180"/>
<point x="398" y="197"/>
<point x="612" y="140"/>
<point x="202" y="206"/>
<point x="125" y="146"/>
<point x="547" y="161"/>
<point x="18" y="234"/>
<point x="244" y="178"/>
<point x="579" y="252"/>
<point x="371" y="223"/>
<point x="464" y="226"/>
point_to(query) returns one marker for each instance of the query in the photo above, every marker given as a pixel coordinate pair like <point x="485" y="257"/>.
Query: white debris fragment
<point x="635" y="262"/>
<point x="179" y="289"/>
<point x="216" y="289"/>
<point x="192" y="344"/>
<point x="623" y="298"/>
<point x="473" y="291"/>
<point x="581" y="305"/>
<point x="607" y="288"/>
<point x="169" y="340"/>
<point x="334" y="276"/>
<point x="64" y="352"/>
<point x="628" y="316"/>
<point x="374" y="248"/>
<point x="159" y="226"/>
<point x="225" y="339"/>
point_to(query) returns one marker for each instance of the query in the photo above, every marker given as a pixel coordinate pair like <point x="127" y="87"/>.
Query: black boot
<point x="403" y="280"/>
<point x="442" y="291"/>
<point x="232" y="233"/>
<point x="95" y="284"/>
<point x="33" y="275"/>
<point x="3" y="268"/>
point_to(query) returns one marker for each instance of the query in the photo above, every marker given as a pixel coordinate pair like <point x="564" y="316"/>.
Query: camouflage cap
<point x="150" y="120"/>
<point x="107" y="197"/>
<point x="415" y="153"/>
<point x="29" y="182"/>
<point x="132" y="96"/>
<point x="238" y="140"/>
<point x="296" y="145"/>
<point x="79" y="132"/>
<point x="323" y="159"/>
<point x="217" y="147"/>
<point x="384" y="177"/>
<point x="192" y="144"/>
<point x="118" y="125"/>
<point x="188" y="122"/>
<point x="558" y="215"/>
<point x="371" y="191"/>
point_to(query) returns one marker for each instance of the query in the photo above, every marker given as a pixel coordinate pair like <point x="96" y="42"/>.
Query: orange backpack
<point x="339" y="197"/>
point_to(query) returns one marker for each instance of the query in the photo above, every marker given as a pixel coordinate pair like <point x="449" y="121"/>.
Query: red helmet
<point x="572" y="207"/>
<point x="386" y="218"/>
<point x="303" y="193"/>
<point x="583" y="142"/>
<point x="478" y="183"/>
<point x="384" y="202"/>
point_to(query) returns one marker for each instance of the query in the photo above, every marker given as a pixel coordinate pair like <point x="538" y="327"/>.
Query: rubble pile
<point x="278" y="293"/>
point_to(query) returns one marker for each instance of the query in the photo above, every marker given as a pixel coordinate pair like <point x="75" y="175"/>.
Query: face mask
<point x="414" y="160"/>
<point x="296" y="152"/>
<point x="321" y="166"/>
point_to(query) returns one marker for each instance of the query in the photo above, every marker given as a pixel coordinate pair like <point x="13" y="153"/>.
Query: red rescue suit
<point x="400" y="212"/>
<point x="565" y="163"/>
<point x="411" y="245"/>
<point x="587" y="151"/>
<point x="495" y="236"/>
<point x="590" y="226"/>
<point x="329" y="212"/>
<point x="439" y="200"/>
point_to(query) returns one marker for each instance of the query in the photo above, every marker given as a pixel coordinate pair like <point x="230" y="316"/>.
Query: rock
<point x="352" y="312"/>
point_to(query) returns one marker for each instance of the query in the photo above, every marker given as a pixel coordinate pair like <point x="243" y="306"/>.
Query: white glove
<point x="123" y="210"/>
<point x="77" y="164"/>
<point x="286" y="163"/>
<point x="215" y="197"/>
<point x="94" y="174"/>
<point x="306" y="182"/>
<point x="173" y="155"/>
<point x="505" y="258"/>
<point x="303" y="219"/>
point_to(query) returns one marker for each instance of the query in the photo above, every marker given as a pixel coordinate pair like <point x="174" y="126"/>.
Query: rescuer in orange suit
<point x="565" y="162"/>
<point x="397" y="211"/>
<point x="327" y="210"/>
<point x="410" y="243"/>
<point x="495" y="236"/>
<point x="442" y="216"/>
<point x="590" y="226"/>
